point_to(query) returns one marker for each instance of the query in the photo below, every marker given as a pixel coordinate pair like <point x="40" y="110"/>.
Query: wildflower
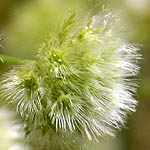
<point x="21" y="87"/>
<point x="80" y="85"/>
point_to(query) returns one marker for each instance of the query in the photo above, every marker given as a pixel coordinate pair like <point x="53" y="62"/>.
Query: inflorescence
<point x="81" y="85"/>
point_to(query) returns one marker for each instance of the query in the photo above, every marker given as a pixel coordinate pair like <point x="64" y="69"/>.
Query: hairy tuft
<point x="81" y="84"/>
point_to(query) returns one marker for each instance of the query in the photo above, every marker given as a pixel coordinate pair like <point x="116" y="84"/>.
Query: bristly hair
<point x="81" y="84"/>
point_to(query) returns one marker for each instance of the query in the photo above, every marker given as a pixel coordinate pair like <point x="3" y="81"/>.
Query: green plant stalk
<point x="9" y="59"/>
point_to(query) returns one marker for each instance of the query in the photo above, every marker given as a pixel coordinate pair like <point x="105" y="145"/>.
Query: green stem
<point x="9" y="59"/>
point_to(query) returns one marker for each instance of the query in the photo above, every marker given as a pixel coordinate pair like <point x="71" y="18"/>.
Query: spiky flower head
<point x="81" y="85"/>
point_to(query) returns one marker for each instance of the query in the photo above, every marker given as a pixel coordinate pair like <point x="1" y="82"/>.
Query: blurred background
<point x="25" y="23"/>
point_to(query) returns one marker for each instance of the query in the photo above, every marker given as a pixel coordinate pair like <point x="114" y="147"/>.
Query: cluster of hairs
<point x="80" y="86"/>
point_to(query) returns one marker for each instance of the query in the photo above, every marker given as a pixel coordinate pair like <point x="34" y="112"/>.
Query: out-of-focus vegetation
<point x="24" y="24"/>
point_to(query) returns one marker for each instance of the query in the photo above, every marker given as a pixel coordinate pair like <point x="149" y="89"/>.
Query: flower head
<point x="21" y="87"/>
<point x="81" y="84"/>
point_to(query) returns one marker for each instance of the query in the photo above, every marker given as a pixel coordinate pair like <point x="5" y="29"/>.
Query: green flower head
<point x="81" y="84"/>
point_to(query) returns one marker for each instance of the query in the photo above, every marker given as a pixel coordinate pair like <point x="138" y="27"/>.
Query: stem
<point x="9" y="59"/>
